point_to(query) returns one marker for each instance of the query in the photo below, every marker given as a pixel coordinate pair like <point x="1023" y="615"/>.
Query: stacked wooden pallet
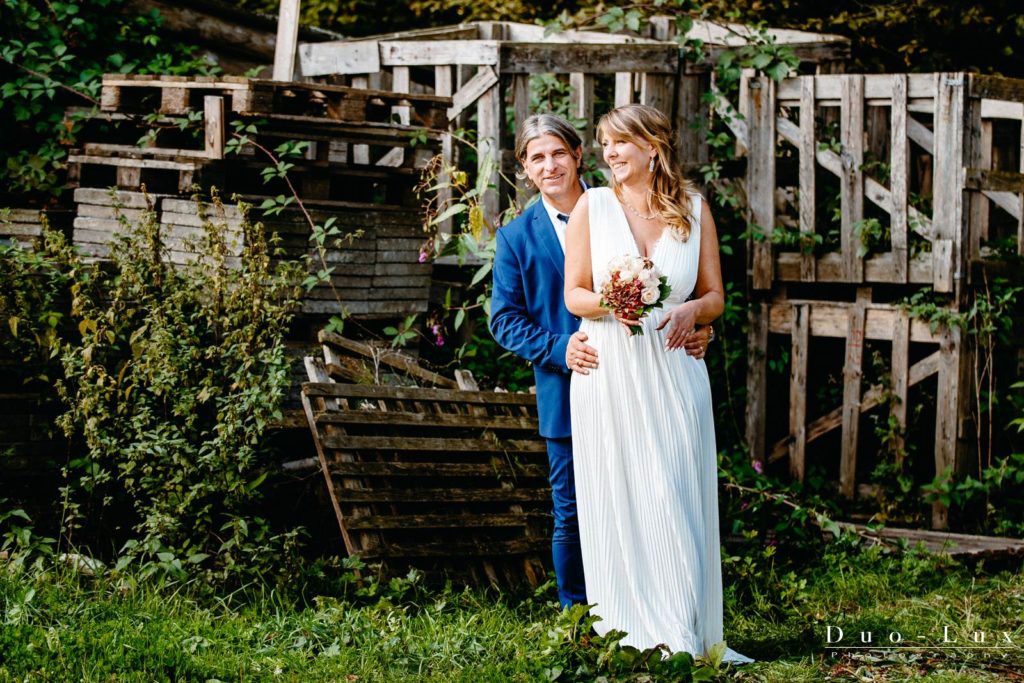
<point x="376" y="273"/>
<point x="25" y="226"/>
<point x="358" y="163"/>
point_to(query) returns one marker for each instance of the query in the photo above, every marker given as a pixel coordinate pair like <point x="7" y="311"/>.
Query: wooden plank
<point x="368" y="417"/>
<point x="623" y="89"/>
<point x="157" y="164"/>
<point x="360" y="151"/>
<point x="434" y="445"/>
<point x="851" y="134"/>
<point x="996" y="88"/>
<point x="761" y="176"/>
<point x="213" y="120"/>
<point x="492" y="398"/>
<point x="339" y="57"/>
<point x="757" y="343"/>
<point x="830" y="319"/>
<point x="968" y="238"/>
<point x="490" y="119"/>
<point x="948" y="180"/>
<point x="992" y="180"/>
<point x="454" y="521"/>
<point x="947" y="401"/>
<point x="899" y="178"/>
<point x="852" y="374"/>
<point x="439" y="52"/>
<point x="174" y="100"/>
<point x="581" y="97"/>
<point x="532" y="58"/>
<point x="435" y="469"/>
<point x="401" y="113"/>
<point x="444" y="495"/>
<point x="900" y="382"/>
<point x="798" y="391"/>
<point x="656" y="91"/>
<point x="389" y="357"/>
<point x="472" y="90"/>
<point x="808" y="152"/>
<point x="317" y="373"/>
<point x="287" y="40"/>
<point x="690" y="110"/>
<point x="449" y="550"/>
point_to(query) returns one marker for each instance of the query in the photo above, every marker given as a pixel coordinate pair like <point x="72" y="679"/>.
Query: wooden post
<point x="760" y="118"/>
<point x="757" y="380"/>
<point x="489" y="120"/>
<point x="798" y="391"/>
<point x="851" y="132"/>
<point x="808" y="169"/>
<point x="399" y="83"/>
<point x="900" y="380"/>
<point x="213" y="120"/>
<point x="287" y="40"/>
<point x="443" y="87"/>
<point x="521" y="109"/>
<point x="360" y="152"/>
<point x="946" y="416"/>
<point x="968" y="242"/>
<point x="852" y="373"/>
<point x="947" y="187"/>
<point x="899" y="177"/>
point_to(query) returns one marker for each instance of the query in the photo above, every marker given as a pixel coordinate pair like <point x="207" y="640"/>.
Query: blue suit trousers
<point x="565" y="541"/>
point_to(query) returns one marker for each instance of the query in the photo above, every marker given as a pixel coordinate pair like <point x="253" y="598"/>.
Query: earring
<point x="650" y="166"/>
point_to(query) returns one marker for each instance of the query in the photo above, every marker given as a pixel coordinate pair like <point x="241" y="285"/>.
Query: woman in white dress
<point x="642" y="422"/>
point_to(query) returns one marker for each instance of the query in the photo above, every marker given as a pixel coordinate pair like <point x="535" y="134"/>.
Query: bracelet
<point x="711" y="331"/>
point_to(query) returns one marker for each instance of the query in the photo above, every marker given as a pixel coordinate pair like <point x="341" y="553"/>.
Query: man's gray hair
<point x="545" y="124"/>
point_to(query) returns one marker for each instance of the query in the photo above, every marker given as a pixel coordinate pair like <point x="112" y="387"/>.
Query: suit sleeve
<point x="511" y="324"/>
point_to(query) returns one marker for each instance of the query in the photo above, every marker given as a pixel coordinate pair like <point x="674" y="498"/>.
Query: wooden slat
<point x="388" y="357"/>
<point x="947" y="183"/>
<point x="851" y="134"/>
<point x="656" y="58"/>
<point x="456" y="521"/>
<point x="434" y="445"/>
<point x="490" y="119"/>
<point x="497" y="398"/>
<point x="899" y="174"/>
<point x="458" y="550"/>
<point x="213" y="122"/>
<point x="947" y="401"/>
<point x="852" y="374"/>
<point x="656" y="91"/>
<point x="798" y="391"/>
<point x="443" y="495"/>
<point x="433" y="469"/>
<point x="472" y="90"/>
<point x="581" y="89"/>
<point x="689" y="138"/>
<point x="761" y="175"/>
<point x="287" y="40"/>
<point x="757" y="343"/>
<point x="900" y="380"/>
<point x="623" y="89"/>
<point x="808" y="165"/>
<point x="369" y="417"/>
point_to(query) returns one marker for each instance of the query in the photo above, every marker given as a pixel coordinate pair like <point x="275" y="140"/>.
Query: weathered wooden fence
<point x="923" y="194"/>
<point x="486" y="67"/>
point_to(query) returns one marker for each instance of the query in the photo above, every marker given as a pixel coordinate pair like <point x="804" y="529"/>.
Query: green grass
<point x="58" y="626"/>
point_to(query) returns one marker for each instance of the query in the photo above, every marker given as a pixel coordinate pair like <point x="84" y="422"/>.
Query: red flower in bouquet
<point x="634" y="288"/>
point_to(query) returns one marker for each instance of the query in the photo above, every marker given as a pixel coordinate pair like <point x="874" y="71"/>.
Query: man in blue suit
<point x="529" y="317"/>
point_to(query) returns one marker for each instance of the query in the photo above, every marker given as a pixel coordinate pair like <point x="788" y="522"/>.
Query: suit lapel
<point x="546" y="237"/>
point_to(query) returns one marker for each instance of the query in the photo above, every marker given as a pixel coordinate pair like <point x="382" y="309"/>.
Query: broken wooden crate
<point x="448" y="480"/>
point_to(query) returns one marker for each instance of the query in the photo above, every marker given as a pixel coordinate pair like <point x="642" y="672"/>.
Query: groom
<point x="529" y="317"/>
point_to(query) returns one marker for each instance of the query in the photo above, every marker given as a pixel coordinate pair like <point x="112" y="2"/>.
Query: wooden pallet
<point x="377" y="274"/>
<point x="137" y="94"/>
<point x="451" y="481"/>
<point x="25" y="226"/>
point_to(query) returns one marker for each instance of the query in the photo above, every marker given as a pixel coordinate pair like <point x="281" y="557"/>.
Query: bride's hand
<point x="627" y="322"/>
<point x="682" y="319"/>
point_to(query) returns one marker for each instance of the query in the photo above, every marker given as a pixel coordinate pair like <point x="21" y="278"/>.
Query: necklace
<point x="636" y="213"/>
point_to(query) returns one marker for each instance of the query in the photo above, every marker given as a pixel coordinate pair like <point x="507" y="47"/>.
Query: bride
<point x="642" y="422"/>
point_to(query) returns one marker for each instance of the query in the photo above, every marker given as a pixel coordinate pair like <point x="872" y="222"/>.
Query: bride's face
<point x="627" y="160"/>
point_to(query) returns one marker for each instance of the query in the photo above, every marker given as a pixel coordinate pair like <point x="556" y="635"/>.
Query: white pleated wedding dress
<point x="645" y="461"/>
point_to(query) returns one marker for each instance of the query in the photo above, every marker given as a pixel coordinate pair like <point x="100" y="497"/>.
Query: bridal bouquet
<point x="633" y="289"/>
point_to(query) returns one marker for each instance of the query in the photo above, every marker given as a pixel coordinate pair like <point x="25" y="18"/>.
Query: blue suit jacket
<point x="528" y="313"/>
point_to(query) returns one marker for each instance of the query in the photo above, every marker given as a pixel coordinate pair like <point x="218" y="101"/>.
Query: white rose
<point x="650" y="295"/>
<point x="626" y="275"/>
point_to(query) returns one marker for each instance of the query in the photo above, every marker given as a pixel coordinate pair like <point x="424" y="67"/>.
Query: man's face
<point x="552" y="166"/>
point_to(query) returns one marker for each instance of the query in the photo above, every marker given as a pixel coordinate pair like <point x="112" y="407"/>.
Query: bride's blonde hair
<point x="670" y="190"/>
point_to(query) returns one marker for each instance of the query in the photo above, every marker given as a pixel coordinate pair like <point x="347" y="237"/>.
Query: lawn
<point x="58" y="625"/>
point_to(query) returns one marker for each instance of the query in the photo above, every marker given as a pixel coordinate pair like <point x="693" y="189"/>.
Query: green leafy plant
<point x="178" y="374"/>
